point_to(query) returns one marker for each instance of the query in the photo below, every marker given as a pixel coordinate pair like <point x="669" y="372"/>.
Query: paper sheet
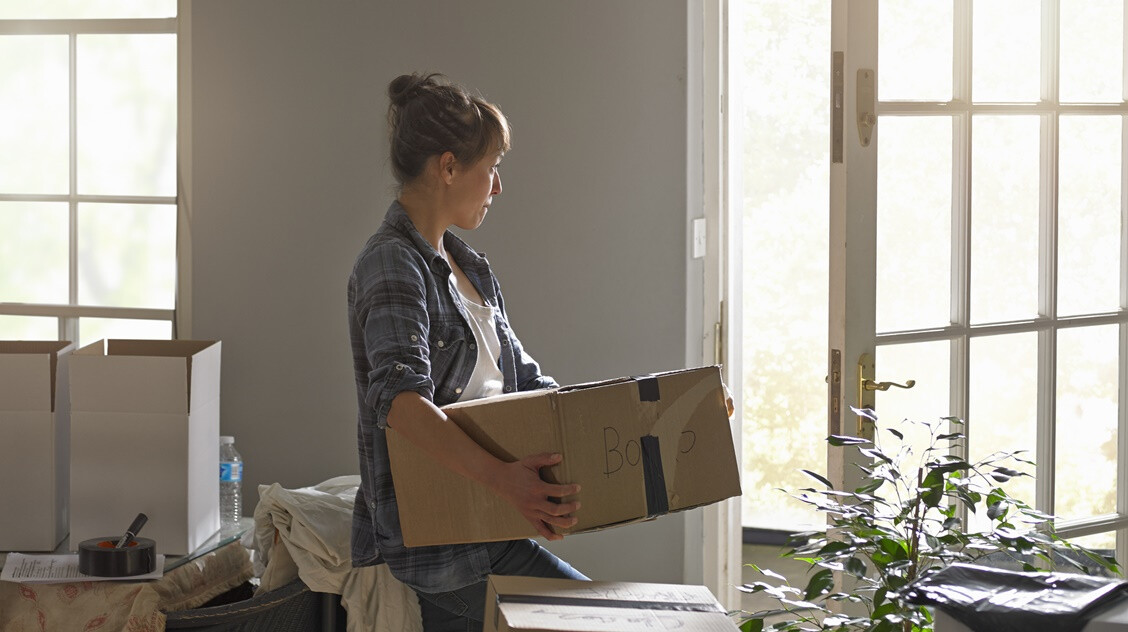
<point x="59" y="569"/>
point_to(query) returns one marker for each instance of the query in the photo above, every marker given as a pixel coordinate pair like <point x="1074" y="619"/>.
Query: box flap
<point x="690" y="420"/>
<point x="28" y="373"/>
<point x="534" y="603"/>
<point x="143" y="375"/>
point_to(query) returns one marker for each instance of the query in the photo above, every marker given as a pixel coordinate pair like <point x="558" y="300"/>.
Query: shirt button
<point x="473" y="346"/>
<point x="508" y="388"/>
<point x="414" y="337"/>
<point x="441" y="343"/>
<point x="505" y="343"/>
<point x="458" y="391"/>
<point x="399" y="367"/>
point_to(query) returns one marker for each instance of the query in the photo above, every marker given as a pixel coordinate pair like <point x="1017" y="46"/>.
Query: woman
<point x="428" y="328"/>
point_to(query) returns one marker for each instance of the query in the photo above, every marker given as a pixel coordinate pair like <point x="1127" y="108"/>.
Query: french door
<point x="979" y="238"/>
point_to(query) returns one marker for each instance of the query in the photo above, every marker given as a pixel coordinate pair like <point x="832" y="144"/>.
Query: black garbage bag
<point x="994" y="600"/>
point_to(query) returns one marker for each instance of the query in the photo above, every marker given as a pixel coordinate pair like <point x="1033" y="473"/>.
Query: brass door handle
<point x="870" y="385"/>
<point x="867" y="385"/>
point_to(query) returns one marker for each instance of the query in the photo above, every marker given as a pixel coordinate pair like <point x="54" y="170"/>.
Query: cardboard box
<point x="34" y="441"/>
<point x="516" y="604"/>
<point x="145" y="438"/>
<point x="637" y="446"/>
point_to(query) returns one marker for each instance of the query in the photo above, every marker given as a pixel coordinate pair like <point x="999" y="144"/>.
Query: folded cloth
<point x="314" y="525"/>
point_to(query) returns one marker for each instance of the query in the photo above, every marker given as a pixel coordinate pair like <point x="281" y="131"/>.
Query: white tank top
<point x="486" y="380"/>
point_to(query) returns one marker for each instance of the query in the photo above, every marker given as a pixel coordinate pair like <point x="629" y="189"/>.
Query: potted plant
<point x="902" y="523"/>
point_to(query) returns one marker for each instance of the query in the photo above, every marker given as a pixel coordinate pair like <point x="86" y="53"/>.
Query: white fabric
<point x="486" y="380"/>
<point x="314" y="525"/>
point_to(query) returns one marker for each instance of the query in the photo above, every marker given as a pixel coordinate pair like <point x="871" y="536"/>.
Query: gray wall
<point x="290" y="177"/>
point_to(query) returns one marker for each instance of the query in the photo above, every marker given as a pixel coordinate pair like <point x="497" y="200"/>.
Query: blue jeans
<point x="462" y="610"/>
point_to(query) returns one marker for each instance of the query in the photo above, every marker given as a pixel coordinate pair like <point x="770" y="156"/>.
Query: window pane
<point x="1087" y="378"/>
<point x="1089" y="214"/>
<point x="1103" y="543"/>
<point x="127" y="114"/>
<point x="33" y="252"/>
<point x="34" y="127"/>
<point x="95" y="329"/>
<point x="1006" y="36"/>
<point x="127" y="255"/>
<point x="908" y="411"/>
<point x="926" y="402"/>
<point x="914" y="211"/>
<point x="28" y="328"/>
<point x="1003" y="408"/>
<point x="915" y="51"/>
<point x="75" y="9"/>
<point x="785" y="188"/>
<point x="1004" y="218"/>
<point x="1092" y="61"/>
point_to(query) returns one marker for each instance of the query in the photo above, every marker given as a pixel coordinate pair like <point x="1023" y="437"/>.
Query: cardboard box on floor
<point x="145" y="438"/>
<point x="637" y="446"/>
<point x="34" y="440"/>
<point x="518" y="604"/>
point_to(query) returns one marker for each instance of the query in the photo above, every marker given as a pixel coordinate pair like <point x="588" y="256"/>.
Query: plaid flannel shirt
<point x="409" y="332"/>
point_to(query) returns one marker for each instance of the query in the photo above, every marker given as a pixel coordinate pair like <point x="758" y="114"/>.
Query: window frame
<point x="68" y="314"/>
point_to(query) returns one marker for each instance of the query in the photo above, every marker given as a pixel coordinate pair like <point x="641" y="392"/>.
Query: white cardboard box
<point x="145" y="438"/>
<point x="539" y="604"/>
<point x="34" y="436"/>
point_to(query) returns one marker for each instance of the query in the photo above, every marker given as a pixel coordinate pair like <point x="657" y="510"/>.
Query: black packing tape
<point x="588" y="602"/>
<point x="656" y="501"/>
<point x="647" y="388"/>
<point x="99" y="558"/>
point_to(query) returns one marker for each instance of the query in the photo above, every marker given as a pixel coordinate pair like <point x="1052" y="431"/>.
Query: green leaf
<point x="841" y="440"/>
<point x="856" y="567"/>
<point x="932" y="489"/>
<point x="952" y="435"/>
<point x="820" y="583"/>
<point x="819" y="477"/>
<point x="752" y="625"/>
<point x="876" y="454"/>
<point x="997" y="510"/>
<point x="896" y="433"/>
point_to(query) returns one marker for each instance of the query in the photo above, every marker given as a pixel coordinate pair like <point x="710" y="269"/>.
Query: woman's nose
<point x="496" y="185"/>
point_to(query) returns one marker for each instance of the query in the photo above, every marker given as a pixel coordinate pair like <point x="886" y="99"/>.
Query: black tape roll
<point x="99" y="558"/>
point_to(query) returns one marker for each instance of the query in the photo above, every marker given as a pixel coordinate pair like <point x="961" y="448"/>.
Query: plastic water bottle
<point x="230" y="483"/>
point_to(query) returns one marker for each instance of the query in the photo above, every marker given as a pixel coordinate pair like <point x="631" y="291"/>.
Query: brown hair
<point x="428" y="115"/>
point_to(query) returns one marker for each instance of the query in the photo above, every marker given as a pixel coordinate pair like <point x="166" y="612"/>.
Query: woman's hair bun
<point x="406" y="87"/>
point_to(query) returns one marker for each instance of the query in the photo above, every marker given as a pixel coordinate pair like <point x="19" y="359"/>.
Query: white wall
<point x="290" y="177"/>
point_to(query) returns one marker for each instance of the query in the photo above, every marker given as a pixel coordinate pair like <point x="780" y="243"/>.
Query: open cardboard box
<point x="520" y="604"/>
<point x="638" y="447"/>
<point x="145" y="438"/>
<point x="34" y="443"/>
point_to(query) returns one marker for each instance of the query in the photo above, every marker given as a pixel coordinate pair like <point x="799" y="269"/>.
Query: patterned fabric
<point x="409" y="332"/>
<point x="125" y="606"/>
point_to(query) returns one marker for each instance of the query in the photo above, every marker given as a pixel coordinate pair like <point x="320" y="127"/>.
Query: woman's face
<point x="473" y="191"/>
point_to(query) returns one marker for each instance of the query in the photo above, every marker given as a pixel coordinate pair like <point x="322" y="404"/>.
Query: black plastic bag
<point x="994" y="600"/>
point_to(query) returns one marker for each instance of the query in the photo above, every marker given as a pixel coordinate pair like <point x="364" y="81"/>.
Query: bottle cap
<point x="225" y="440"/>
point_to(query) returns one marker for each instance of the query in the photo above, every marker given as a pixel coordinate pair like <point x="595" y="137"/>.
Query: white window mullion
<point x="69" y="325"/>
<point x="1046" y="452"/>
<point x="1122" y="387"/>
<point x="959" y="368"/>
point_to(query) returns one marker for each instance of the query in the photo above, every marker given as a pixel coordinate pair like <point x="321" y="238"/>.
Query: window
<point x="992" y="213"/>
<point x="88" y="201"/>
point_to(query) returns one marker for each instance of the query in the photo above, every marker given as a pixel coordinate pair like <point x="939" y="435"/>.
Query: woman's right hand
<point x="520" y="483"/>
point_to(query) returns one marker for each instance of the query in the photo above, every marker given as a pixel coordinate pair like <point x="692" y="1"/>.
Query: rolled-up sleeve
<point x="391" y="310"/>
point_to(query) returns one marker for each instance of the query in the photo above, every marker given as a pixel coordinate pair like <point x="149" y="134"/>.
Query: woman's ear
<point x="448" y="164"/>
